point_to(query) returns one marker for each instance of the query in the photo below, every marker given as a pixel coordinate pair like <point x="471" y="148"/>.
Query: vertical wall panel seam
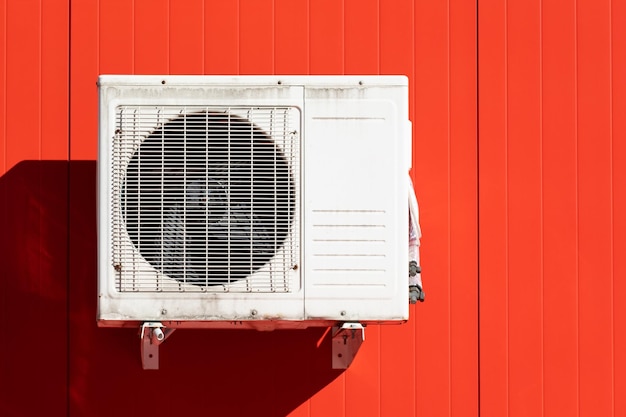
<point x="273" y="36"/>
<point x="478" y="335"/>
<point x="98" y="35"/>
<point x="308" y="29"/>
<point x="39" y="129"/>
<point x="238" y="31"/>
<point x="68" y="356"/>
<point x="541" y="219"/>
<point x="4" y="91"/>
<point x="612" y="205"/>
<point x="343" y="37"/>
<point x="449" y="214"/>
<point x="133" y="28"/>
<point x="378" y="37"/>
<point x="168" y="28"/>
<point x="541" y="203"/>
<point x="577" y="181"/>
<point x="506" y="200"/>
<point x="132" y="31"/>
<point x="203" y="41"/>
<point x="379" y="365"/>
<point x="40" y="94"/>
<point x="3" y="200"/>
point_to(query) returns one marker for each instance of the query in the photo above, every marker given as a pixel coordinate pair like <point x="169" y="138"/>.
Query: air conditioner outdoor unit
<point x="252" y="202"/>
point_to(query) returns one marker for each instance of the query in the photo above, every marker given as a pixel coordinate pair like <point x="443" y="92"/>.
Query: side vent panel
<point x="356" y="206"/>
<point x="348" y="246"/>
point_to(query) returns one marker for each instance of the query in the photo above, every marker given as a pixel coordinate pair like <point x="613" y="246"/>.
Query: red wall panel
<point x="523" y="179"/>
<point x="115" y="50"/>
<point x="221" y="37"/>
<point x="445" y="175"/>
<point x="549" y="274"/>
<point x="560" y="290"/>
<point x="463" y="201"/>
<point x="326" y="37"/>
<point x="23" y="81"/>
<point x="33" y="207"/>
<point x="493" y="267"/>
<point x="361" y="37"/>
<point x="151" y="35"/>
<point x="595" y="217"/>
<point x="618" y="193"/>
<point x="291" y="37"/>
<point x="256" y="37"/>
<point x="186" y="37"/>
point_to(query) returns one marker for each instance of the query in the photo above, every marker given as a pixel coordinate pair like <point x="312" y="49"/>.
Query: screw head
<point x="163" y="312"/>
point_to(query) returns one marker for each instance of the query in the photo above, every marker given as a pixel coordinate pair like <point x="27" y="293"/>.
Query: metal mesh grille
<point x="205" y="198"/>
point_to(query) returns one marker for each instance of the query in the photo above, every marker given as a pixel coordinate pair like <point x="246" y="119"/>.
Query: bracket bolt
<point x="253" y="312"/>
<point x="343" y="313"/>
<point x="163" y="312"/>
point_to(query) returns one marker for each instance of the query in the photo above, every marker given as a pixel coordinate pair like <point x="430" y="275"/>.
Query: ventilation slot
<point x="349" y="246"/>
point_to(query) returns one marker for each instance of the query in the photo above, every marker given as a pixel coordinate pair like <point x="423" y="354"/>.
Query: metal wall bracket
<point x="152" y="335"/>
<point x="346" y="341"/>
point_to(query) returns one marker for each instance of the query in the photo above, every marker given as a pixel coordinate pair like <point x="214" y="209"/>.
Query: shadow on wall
<point x="53" y="347"/>
<point x="33" y="289"/>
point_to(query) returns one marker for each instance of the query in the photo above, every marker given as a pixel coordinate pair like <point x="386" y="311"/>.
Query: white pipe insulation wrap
<point x="415" y="233"/>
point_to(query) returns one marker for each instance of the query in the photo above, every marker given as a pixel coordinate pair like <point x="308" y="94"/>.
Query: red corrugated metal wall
<point x="34" y="58"/>
<point x="552" y="137"/>
<point x="518" y="165"/>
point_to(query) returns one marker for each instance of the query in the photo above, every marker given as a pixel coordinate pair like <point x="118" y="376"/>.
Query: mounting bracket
<point x="152" y="335"/>
<point x="346" y="340"/>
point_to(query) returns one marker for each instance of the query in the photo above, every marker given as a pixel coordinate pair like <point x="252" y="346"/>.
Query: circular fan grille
<point x="208" y="198"/>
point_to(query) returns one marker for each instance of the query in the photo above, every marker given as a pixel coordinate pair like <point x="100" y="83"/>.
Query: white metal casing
<point x="354" y="150"/>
